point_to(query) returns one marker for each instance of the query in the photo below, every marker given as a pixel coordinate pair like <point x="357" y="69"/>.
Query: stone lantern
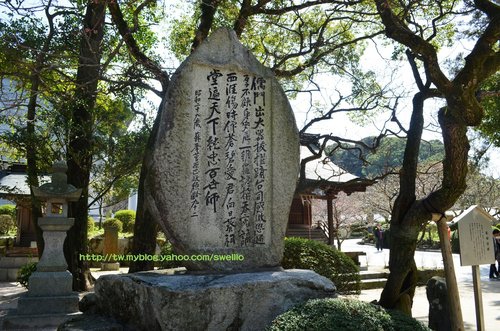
<point x="50" y="299"/>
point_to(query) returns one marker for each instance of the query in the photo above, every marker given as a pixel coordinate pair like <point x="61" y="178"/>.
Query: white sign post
<point x="476" y="248"/>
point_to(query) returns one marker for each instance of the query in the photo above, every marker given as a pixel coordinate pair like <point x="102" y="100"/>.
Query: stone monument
<point x="110" y="248"/>
<point x="50" y="299"/>
<point x="223" y="175"/>
<point x="226" y="159"/>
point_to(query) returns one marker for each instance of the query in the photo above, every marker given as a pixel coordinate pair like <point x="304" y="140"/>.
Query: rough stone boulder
<point x="242" y="301"/>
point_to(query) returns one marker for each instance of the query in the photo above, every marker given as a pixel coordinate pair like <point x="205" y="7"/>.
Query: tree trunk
<point x="331" y="230"/>
<point x="404" y="231"/>
<point x="31" y="139"/>
<point x="80" y="144"/>
<point x="145" y="227"/>
<point x="410" y="214"/>
<point x="31" y="160"/>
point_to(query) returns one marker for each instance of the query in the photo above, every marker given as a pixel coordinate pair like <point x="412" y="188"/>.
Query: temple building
<point x="321" y="179"/>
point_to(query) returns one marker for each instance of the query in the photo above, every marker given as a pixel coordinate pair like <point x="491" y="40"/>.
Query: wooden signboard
<point x="476" y="248"/>
<point x="475" y="237"/>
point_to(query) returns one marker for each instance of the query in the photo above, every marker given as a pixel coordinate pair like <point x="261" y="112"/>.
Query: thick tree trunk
<point x="31" y="139"/>
<point x="80" y="144"/>
<point x="400" y="287"/>
<point x="409" y="214"/>
<point x="32" y="161"/>
<point x="145" y="227"/>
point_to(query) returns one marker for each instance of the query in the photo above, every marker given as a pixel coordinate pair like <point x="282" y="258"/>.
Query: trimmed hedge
<point x="113" y="222"/>
<point x="343" y="314"/>
<point x="325" y="260"/>
<point x="7" y="224"/>
<point x="90" y="224"/>
<point x="127" y="217"/>
<point x="8" y="210"/>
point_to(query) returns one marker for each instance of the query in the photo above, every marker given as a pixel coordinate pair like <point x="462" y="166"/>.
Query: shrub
<point x="8" y="210"/>
<point x="325" y="260"/>
<point x="127" y="217"/>
<point x="113" y="222"/>
<point x="343" y="314"/>
<point x="90" y="224"/>
<point x="24" y="273"/>
<point x="130" y="228"/>
<point x="6" y="224"/>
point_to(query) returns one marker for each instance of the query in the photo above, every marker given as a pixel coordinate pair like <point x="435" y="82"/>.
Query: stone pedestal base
<point x="40" y="312"/>
<point x="243" y="301"/>
<point x="36" y="322"/>
<point x="48" y="303"/>
<point x="110" y="266"/>
<point x="62" y="304"/>
<point x="57" y="283"/>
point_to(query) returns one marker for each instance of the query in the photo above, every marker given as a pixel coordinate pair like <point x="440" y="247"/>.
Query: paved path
<point x="490" y="288"/>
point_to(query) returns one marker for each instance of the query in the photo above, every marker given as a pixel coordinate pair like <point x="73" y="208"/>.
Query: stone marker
<point x="110" y="248"/>
<point x="50" y="299"/>
<point x="226" y="158"/>
<point x="224" y="172"/>
<point x="439" y="307"/>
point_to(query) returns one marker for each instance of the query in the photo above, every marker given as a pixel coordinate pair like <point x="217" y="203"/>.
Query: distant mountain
<point x="389" y="155"/>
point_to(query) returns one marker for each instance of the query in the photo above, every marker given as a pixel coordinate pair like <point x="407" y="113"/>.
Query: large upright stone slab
<point x="226" y="159"/>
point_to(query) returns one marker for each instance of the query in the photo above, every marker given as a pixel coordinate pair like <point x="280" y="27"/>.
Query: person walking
<point x="379" y="237"/>
<point x="494" y="271"/>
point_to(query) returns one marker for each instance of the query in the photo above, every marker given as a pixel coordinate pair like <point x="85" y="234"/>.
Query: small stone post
<point x="110" y="248"/>
<point x="50" y="299"/>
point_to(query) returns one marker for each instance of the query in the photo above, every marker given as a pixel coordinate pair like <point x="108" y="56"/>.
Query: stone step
<point x="366" y="275"/>
<point x="369" y="284"/>
<point x="8" y="274"/>
<point x="16" y="261"/>
<point x="10" y="265"/>
<point x="313" y="234"/>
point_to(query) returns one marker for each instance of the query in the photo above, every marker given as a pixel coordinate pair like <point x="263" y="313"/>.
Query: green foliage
<point x="325" y="260"/>
<point x="8" y="210"/>
<point x="127" y="217"/>
<point x="430" y="236"/>
<point x="343" y="314"/>
<point x="296" y="44"/>
<point x="490" y="127"/>
<point x="130" y="227"/>
<point x="24" y="32"/>
<point x="25" y="272"/>
<point x="7" y="224"/>
<point x="113" y="222"/>
<point x="90" y="224"/>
